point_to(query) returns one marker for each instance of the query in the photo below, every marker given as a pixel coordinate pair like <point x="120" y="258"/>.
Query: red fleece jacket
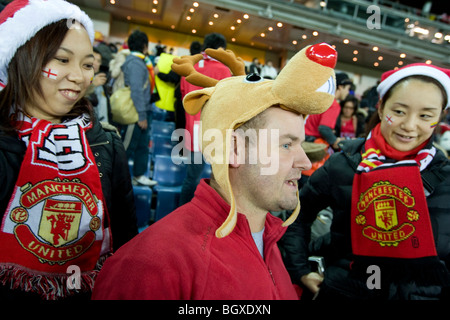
<point x="179" y="257"/>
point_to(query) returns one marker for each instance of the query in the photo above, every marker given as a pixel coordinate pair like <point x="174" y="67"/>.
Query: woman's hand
<point x="312" y="281"/>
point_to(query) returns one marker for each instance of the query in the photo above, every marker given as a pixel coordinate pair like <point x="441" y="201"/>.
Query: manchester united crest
<point x="55" y="236"/>
<point x="383" y="225"/>
<point x="60" y="221"/>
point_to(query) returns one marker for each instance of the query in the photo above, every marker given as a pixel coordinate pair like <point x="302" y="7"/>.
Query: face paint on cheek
<point x="92" y="80"/>
<point x="50" y="73"/>
<point x="434" y="124"/>
<point x="389" y="119"/>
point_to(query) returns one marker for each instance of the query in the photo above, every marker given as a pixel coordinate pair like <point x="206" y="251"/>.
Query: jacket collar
<point x="211" y="203"/>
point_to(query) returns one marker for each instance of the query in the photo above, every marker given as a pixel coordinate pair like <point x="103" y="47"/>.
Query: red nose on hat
<point x="323" y="54"/>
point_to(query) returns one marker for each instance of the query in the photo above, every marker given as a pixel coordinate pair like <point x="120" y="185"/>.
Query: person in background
<point x="268" y="71"/>
<point x="322" y="125"/>
<point x="255" y="66"/>
<point x="320" y="128"/>
<point x="214" y="69"/>
<point x="173" y="77"/>
<point x="66" y="202"/>
<point x="389" y="197"/>
<point x="98" y="94"/>
<point x="350" y="123"/>
<point x="137" y="77"/>
<point x="105" y="50"/>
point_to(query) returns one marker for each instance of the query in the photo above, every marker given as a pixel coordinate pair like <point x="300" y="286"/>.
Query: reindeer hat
<point x="306" y="85"/>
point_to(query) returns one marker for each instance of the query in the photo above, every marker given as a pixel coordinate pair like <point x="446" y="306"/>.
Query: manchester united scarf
<point x="390" y="217"/>
<point x="54" y="221"/>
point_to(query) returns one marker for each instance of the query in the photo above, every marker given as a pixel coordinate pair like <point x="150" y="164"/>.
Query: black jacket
<point x="331" y="186"/>
<point x="112" y="164"/>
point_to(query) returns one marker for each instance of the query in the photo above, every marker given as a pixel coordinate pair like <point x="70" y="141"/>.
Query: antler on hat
<point x="20" y="20"/>
<point x="306" y="85"/>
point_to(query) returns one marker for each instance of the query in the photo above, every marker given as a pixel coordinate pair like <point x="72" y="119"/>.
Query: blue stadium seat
<point x="206" y="173"/>
<point x="143" y="201"/>
<point x="170" y="178"/>
<point x="167" y="173"/>
<point x="164" y="128"/>
<point x="161" y="145"/>
<point x="167" y="200"/>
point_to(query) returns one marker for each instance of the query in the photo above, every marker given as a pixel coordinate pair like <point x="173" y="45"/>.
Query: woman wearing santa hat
<point x="66" y="191"/>
<point x="390" y="234"/>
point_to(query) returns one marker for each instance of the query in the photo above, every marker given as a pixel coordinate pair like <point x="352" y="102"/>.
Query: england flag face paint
<point x="50" y="73"/>
<point x="389" y="119"/>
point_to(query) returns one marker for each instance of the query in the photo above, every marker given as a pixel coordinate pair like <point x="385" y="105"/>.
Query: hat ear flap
<point x="194" y="101"/>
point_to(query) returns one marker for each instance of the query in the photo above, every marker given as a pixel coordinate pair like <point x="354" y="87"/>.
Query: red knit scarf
<point x="56" y="214"/>
<point x="389" y="211"/>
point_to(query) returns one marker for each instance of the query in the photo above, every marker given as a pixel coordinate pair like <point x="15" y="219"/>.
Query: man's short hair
<point x="214" y="41"/>
<point x="196" y="47"/>
<point x="342" y="79"/>
<point x="137" y="41"/>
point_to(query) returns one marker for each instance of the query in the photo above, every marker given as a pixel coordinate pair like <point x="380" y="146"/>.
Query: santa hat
<point x="22" y="19"/>
<point x="389" y="78"/>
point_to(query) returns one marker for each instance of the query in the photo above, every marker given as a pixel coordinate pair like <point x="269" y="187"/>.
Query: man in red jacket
<point x="322" y="125"/>
<point x="222" y="245"/>
<point x="214" y="69"/>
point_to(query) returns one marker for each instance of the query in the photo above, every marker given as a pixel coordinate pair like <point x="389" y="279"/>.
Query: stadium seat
<point x="206" y="173"/>
<point x="170" y="177"/>
<point x="143" y="201"/>
<point x="164" y="128"/>
<point x="161" y="145"/>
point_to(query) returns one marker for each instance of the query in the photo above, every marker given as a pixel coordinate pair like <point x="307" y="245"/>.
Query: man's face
<point x="344" y="90"/>
<point x="271" y="182"/>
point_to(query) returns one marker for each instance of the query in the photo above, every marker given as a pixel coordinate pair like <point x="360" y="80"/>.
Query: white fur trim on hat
<point x="31" y="18"/>
<point x="429" y="71"/>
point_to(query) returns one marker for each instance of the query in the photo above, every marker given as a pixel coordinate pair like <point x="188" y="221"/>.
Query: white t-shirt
<point x="258" y="238"/>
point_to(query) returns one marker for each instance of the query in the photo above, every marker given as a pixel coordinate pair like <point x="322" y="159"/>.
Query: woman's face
<point x="348" y="109"/>
<point x="410" y="114"/>
<point x="65" y="78"/>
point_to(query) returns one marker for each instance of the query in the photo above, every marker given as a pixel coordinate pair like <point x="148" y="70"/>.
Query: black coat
<point x="331" y="186"/>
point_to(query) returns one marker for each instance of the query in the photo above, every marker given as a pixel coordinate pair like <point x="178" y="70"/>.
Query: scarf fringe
<point x="48" y="286"/>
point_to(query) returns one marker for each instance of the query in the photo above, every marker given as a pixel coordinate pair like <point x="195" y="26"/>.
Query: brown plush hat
<point x="306" y="85"/>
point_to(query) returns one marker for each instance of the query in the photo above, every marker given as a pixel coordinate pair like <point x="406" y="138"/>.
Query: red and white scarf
<point x="56" y="214"/>
<point x="389" y="211"/>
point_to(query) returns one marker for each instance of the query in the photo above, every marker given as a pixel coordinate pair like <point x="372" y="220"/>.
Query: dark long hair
<point x="375" y="119"/>
<point x="24" y="73"/>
